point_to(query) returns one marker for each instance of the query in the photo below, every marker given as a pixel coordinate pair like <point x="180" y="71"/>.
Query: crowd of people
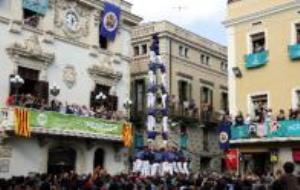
<point x="153" y="162"/>
<point x="30" y="101"/>
<point x="101" y="180"/>
<point x="263" y="120"/>
<point x="263" y="114"/>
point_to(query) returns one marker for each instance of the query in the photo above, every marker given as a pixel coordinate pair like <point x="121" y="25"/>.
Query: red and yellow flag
<point x="127" y="134"/>
<point x="22" y="126"/>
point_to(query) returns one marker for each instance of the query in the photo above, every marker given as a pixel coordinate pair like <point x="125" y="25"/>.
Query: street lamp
<point x="54" y="90"/>
<point x="101" y="96"/>
<point x="17" y="81"/>
<point x="127" y="104"/>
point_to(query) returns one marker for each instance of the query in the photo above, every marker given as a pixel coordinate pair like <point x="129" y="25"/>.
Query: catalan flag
<point x="22" y="126"/>
<point x="127" y="134"/>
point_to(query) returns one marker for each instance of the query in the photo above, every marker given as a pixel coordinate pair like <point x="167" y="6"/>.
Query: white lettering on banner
<point x="105" y="127"/>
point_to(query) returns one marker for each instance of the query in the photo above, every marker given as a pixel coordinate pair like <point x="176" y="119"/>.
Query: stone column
<point x="43" y="74"/>
<point x="94" y="32"/>
<point x="16" y="16"/>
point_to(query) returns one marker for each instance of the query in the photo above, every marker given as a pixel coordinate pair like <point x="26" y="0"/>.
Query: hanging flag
<point x="183" y="141"/>
<point x="22" y="126"/>
<point x="110" y="21"/>
<point x="231" y="159"/>
<point x="127" y="134"/>
<point x="224" y="135"/>
<point x="37" y="6"/>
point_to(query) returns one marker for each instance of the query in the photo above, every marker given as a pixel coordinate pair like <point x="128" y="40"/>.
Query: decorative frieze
<point x="30" y="54"/>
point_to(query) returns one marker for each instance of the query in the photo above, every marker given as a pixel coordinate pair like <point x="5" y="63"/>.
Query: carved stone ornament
<point x="62" y="8"/>
<point x="30" y="49"/>
<point x="104" y="74"/>
<point x="69" y="76"/>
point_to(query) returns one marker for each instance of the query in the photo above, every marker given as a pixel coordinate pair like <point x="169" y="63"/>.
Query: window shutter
<point x="42" y="90"/>
<point x="190" y="91"/>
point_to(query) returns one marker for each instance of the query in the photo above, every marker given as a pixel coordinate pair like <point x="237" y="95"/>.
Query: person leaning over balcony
<point x="248" y="119"/>
<point x="239" y="119"/>
<point x="281" y="115"/>
<point x="293" y="114"/>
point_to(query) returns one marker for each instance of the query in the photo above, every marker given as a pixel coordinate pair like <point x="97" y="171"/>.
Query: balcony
<point x="294" y="51"/>
<point x="255" y="60"/>
<point x="60" y="124"/>
<point x="185" y="113"/>
<point x="283" y="130"/>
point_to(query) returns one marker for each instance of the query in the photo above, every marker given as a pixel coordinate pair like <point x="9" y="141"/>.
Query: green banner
<point x="58" y="121"/>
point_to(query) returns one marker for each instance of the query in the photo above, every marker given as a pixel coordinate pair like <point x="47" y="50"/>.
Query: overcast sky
<point x="203" y="17"/>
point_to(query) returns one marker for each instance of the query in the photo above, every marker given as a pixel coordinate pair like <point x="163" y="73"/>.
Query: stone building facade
<point x="63" y="47"/>
<point x="197" y="80"/>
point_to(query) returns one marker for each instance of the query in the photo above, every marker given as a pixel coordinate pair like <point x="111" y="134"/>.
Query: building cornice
<point x="184" y="75"/>
<point x="4" y="20"/>
<point x="175" y="37"/>
<point x="205" y="68"/>
<point x="206" y="82"/>
<point x="263" y="13"/>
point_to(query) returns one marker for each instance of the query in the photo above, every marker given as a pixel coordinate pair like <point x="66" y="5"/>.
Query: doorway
<point x="61" y="159"/>
<point x="99" y="158"/>
<point x="258" y="163"/>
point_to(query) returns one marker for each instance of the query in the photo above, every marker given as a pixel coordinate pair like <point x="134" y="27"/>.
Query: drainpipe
<point x="170" y="66"/>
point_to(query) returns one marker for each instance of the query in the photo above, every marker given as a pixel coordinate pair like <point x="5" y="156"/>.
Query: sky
<point x="202" y="17"/>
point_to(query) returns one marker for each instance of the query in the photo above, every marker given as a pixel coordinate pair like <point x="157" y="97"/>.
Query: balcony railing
<point x="286" y="128"/>
<point x="192" y="115"/>
<point x="55" y="123"/>
<point x="184" y="114"/>
<point x="255" y="60"/>
<point x="294" y="51"/>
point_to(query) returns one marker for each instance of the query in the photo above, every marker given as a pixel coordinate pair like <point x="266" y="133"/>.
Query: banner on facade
<point x="127" y="134"/>
<point x="58" y="121"/>
<point x="110" y="21"/>
<point x="37" y="6"/>
<point x="296" y="155"/>
<point x="183" y="142"/>
<point x="286" y="128"/>
<point x="224" y="135"/>
<point x="22" y="123"/>
<point x="231" y="159"/>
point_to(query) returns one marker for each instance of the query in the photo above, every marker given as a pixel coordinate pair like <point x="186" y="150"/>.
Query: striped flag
<point x="22" y="126"/>
<point x="127" y="134"/>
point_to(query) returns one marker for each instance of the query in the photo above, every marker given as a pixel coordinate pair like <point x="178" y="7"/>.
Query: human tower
<point x="151" y="160"/>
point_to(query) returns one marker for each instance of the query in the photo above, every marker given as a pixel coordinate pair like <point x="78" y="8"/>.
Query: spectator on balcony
<point x="239" y="119"/>
<point x="69" y="109"/>
<point x="281" y="115"/>
<point x="85" y="111"/>
<point x="259" y="116"/>
<point x="28" y="101"/>
<point x="258" y="47"/>
<point x="10" y="100"/>
<point x="206" y="111"/>
<point x="293" y="114"/>
<point x="192" y="107"/>
<point x="54" y="105"/>
<point x="248" y="119"/>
